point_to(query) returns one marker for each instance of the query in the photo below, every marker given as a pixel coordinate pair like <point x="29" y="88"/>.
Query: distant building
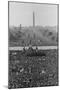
<point x="20" y="27"/>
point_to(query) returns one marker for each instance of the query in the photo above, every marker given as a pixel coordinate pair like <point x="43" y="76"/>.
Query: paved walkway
<point x="39" y="47"/>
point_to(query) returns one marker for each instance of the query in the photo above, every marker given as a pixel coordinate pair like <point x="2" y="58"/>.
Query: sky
<point x="22" y="13"/>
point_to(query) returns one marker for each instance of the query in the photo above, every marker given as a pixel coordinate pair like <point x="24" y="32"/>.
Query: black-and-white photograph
<point x="33" y="44"/>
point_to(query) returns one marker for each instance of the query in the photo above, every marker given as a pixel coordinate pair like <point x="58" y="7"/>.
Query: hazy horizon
<point x="22" y="13"/>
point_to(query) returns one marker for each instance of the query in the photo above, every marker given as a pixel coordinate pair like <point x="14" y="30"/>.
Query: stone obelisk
<point x="33" y="19"/>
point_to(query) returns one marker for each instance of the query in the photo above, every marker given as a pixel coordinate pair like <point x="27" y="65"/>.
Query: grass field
<point x="33" y="70"/>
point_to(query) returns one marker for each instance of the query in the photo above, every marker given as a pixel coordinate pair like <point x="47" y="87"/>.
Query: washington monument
<point x="33" y="19"/>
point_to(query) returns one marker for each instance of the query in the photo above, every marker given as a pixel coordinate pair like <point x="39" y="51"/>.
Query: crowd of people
<point x="33" y="71"/>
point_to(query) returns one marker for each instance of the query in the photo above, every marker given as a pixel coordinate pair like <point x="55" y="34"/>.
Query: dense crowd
<point x="33" y="71"/>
